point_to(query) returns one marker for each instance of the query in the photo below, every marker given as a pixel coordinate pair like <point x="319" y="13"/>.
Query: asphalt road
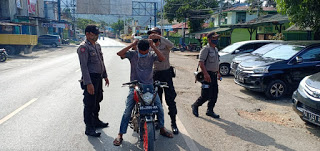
<point x="41" y="109"/>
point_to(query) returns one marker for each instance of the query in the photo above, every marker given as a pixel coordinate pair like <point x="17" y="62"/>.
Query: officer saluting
<point x="93" y="70"/>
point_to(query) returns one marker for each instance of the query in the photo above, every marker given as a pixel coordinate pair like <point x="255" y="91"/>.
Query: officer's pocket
<point x="212" y="57"/>
<point x="93" y="56"/>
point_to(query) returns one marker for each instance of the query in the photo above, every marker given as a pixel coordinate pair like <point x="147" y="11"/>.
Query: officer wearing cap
<point x="209" y="64"/>
<point x="93" y="71"/>
<point x="163" y="73"/>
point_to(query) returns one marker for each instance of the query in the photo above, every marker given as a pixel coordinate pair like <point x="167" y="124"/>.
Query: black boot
<point x="195" y="110"/>
<point x="174" y="127"/>
<point x="212" y="114"/>
<point x="90" y="131"/>
<point x="100" y="124"/>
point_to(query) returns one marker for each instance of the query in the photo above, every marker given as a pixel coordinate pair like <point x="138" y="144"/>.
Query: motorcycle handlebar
<point x="156" y="83"/>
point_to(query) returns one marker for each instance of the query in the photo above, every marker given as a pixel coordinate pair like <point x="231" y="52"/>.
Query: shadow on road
<point x="105" y="143"/>
<point x="314" y="129"/>
<point x="247" y="134"/>
<point x="22" y="57"/>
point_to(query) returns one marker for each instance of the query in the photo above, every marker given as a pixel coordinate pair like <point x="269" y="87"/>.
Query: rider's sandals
<point x="117" y="141"/>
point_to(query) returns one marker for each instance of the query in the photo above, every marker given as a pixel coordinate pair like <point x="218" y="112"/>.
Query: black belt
<point x="216" y="72"/>
<point x="162" y="70"/>
<point x="96" y="75"/>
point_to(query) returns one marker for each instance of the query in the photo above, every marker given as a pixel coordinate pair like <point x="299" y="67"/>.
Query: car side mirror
<point x="299" y="59"/>
<point x="237" y="51"/>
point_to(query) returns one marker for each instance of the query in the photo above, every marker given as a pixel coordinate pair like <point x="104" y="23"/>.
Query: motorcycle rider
<point x="141" y="61"/>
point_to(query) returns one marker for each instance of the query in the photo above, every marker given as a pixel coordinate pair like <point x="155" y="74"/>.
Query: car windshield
<point x="283" y="52"/>
<point x="264" y="49"/>
<point x="231" y="48"/>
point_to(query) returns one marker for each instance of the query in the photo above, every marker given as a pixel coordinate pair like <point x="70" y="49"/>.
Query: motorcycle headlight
<point x="261" y="70"/>
<point x="147" y="98"/>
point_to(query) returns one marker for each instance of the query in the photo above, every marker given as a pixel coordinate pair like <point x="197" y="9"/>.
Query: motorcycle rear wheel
<point x="148" y="136"/>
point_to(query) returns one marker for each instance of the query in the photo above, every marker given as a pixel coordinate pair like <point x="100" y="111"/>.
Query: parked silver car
<point x="306" y="99"/>
<point x="238" y="48"/>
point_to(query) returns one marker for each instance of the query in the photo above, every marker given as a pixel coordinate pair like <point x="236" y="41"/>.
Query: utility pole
<point x="155" y="14"/>
<point x="220" y="13"/>
<point x="162" y="17"/>
<point x="59" y="10"/>
<point x="150" y="23"/>
<point x="59" y="17"/>
<point x="74" y="19"/>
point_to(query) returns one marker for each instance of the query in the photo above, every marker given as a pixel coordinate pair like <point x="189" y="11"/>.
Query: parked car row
<point x="279" y="71"/>
<point x="280" y="68"/>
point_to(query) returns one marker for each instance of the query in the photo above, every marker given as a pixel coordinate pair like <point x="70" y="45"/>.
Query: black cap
<point x="92" y="28"/>
<point x="153" y="30"/>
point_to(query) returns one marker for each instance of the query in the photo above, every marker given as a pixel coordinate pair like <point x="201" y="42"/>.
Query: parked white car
<point x="238" y="48"/>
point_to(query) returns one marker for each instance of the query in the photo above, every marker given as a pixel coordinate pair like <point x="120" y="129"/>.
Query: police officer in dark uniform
<point x="209" y="64"/>
<point x="163" y="73"/>
<point x="93" y="71"/>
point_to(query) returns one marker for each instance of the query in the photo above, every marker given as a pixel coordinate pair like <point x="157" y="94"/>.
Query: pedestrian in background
<point x="164" y="72"/>
<point x="209" y="64"/>
<point x="93" y="71"/>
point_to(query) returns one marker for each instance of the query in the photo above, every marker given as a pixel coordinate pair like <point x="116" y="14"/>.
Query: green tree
<point x="82" y="23"/>
<point x="66" y="14"/>
<point x="103" y="24"/>
<point x="303" y="13"/>
<point x="196" y="11"/>
<point x="117" y="26"/>
<point x="256" y="5"/>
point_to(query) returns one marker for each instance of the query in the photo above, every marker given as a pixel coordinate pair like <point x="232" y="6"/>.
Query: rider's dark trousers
<point x="210" y="93"/>
<point x="91" y="102"/>
<point x="170" y="93"/>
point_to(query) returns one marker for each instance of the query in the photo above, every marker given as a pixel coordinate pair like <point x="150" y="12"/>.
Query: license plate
<point x="148" y="109"/>
<point x="314" y="118"/>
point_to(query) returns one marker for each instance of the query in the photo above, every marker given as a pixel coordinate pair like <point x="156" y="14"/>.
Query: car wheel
<point x="54" y="45"/>
<point x="224" y="69"/>
<point x="276" y="89"/>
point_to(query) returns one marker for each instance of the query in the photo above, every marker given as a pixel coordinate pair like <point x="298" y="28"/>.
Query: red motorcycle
<point x="143" y="114"/>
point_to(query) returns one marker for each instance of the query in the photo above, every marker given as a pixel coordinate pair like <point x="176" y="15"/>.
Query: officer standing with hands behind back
<point x="209" y="64"/>
<point x="93" y="71"/>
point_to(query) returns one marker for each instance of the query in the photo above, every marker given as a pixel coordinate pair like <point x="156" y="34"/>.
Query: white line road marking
<point x="17" y="110"/>
<point x="187" y="138"/>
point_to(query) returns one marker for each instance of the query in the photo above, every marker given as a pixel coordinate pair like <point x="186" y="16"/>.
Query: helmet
<point x="199" y="76"/>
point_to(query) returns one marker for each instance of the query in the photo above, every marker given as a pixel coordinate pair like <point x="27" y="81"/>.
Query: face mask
<point x="141" y="55"/>
<point x="215" y="42"/>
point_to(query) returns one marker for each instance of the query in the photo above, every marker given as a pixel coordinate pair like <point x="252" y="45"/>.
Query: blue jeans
<point x="130" y="103"/>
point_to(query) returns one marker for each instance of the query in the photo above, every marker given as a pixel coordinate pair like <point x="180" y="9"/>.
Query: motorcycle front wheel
<point x="3" y="57"/>
<point x="148" y="136"/>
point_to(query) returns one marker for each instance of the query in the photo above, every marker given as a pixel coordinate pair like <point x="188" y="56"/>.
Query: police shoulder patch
<point x="82" y="49"/>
